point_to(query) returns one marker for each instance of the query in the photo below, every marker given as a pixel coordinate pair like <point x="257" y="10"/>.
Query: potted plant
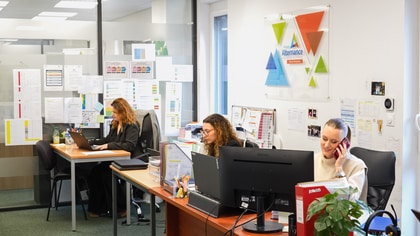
<point x="335" y="214"/>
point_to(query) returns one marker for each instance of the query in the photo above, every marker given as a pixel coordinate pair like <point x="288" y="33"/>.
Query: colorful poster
<point x="298" y="65"/>
<point x="116" y="69"/>
<point x="53" y="78"/>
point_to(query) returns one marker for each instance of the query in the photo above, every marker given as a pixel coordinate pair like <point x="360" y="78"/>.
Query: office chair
<point x="380" y="175"/>
<point x="250" y="144"/>
<point x="49" y="161"/>
<point x="149" y="139"/>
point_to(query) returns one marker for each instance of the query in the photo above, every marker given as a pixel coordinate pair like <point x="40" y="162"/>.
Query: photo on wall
<point x="378" y="88"/>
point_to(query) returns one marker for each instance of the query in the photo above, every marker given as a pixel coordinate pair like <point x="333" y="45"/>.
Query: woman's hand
<point x="342" y="154"/>
<point x="102" y="147"/>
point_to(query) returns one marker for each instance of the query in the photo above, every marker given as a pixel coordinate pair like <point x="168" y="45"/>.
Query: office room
<point x="353" y="66"/>
<point x="368" y="43"/>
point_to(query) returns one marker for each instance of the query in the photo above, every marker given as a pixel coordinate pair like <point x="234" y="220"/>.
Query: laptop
<point x="82" y="142"/>
<point x="130" y="164"/>
<point x="206" y="174"/>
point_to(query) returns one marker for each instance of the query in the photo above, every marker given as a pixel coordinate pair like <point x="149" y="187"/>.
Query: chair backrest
<point x="46" y="154"/>
<point x="381" y="175"/>
<point x="149" y="136"/>
<point x="250" y="144"/>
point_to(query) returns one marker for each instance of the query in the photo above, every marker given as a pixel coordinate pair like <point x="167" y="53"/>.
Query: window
<point x="220" y="64"/>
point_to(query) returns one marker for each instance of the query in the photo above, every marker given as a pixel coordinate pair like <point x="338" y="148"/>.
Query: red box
<point x="305" y="194"/>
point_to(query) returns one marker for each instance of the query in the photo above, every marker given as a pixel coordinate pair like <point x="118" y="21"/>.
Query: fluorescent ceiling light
<point x="49" y="18"/>
<point x="1" y="8"/>
<point x="9" y="40"/>
<point x="29" y="28"/>
<point x="59" y="14"/>
<point x="76" y="4"/>
<point x="3" y="3"/>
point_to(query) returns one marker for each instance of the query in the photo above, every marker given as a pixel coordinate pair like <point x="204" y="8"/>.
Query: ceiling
<point x="111" y="9"/>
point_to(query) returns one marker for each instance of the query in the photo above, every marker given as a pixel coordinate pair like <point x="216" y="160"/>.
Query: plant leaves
<point x="335" y="214"/>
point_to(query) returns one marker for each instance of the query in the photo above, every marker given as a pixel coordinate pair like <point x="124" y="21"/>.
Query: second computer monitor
<point x="268" y="174"/>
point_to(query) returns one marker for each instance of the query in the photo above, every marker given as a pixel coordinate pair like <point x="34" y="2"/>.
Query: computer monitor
<point x="263" y="179"/>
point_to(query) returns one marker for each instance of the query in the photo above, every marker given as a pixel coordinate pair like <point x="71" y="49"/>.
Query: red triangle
<point x="308" y="23"/>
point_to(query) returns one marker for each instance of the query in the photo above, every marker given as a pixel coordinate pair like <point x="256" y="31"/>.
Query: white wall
<point x="366" y="44"/>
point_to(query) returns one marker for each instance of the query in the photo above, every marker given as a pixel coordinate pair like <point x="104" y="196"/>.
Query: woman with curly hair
<point x="123" y="135"/>
<point x="217" y="132"/>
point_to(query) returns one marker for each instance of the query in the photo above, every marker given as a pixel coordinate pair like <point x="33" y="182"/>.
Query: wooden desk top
<point x="73" y="152"/>
<point x="141" y="177"/>
<point x="223" y="223"/>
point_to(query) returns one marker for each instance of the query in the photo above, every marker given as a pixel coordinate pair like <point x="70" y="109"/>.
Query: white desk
<point x="75" y="155"/>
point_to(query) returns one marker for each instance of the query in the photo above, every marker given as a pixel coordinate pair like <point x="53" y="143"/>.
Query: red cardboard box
<point x="305" y="194"/>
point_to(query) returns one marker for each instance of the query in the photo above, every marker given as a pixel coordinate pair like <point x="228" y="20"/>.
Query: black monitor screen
<point x="270" y="174"/>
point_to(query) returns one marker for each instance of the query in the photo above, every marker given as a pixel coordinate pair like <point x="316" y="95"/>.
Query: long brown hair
<point x="224" y="133"/>
<point x="125" y="112"/>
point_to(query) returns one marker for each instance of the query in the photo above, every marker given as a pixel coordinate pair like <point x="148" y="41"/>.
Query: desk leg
<point x="73" y="195"/>
<point x="128" y="201"/>
<point x="153" y="214"/>
<point x="114" y="202"/>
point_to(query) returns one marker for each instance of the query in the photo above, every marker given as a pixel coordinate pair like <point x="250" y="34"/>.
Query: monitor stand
<point x="262" y="226"/>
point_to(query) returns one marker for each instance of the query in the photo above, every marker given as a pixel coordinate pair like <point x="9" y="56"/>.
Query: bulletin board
<point x="298" y="63"/>
<point x="258" y="124"/>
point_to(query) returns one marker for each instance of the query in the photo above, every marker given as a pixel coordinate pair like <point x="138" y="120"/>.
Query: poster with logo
<point x="298" y="64"/>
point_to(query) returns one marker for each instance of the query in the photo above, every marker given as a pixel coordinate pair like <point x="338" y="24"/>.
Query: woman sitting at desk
<point x="123" y="135"/>
<point x="217" y="131"/>
<point x="344" y="164"/>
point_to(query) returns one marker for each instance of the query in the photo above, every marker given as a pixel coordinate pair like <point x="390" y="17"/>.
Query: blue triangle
<point x="271" y="65"/>
<point x="277" y="77"/>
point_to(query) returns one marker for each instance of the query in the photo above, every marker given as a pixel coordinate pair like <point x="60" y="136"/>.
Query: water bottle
<point x="68" y="139"/>
<point x="56" y="136"/>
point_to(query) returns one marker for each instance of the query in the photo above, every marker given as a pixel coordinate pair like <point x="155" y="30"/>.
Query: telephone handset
<point x="346" y="143"/>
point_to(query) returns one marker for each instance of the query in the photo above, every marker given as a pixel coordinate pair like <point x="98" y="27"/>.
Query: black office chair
<point x="250" y="144"/>
<point x="49" y="161"/>
<point x="149" y="140"/>
<point x="381" y="175"/>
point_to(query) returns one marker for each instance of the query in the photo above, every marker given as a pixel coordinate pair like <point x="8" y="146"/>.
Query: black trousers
<point x="100" y="190"/>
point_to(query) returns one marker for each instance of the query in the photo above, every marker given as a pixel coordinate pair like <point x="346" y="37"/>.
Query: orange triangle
<point x="308" y="23"/>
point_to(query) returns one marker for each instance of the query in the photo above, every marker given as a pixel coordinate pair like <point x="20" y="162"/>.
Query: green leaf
<point x="335" y="214"/>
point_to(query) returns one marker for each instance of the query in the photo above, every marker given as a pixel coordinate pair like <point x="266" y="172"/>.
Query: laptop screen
<point x="206" y="174"/>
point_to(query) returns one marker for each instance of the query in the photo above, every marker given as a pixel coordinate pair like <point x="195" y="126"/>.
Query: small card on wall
<point x="378" y="88"/>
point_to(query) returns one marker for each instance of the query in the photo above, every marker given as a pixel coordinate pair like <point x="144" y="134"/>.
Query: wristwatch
<point x="340" y="174"/>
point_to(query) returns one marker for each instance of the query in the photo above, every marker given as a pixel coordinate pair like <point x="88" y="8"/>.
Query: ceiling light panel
<point x="49" y="18"/>
<point x="76" y="4"/>
<point x="59" y="14"/>
<point x="3" y="3"/>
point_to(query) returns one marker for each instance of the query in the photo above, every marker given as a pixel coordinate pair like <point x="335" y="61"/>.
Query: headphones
<point x="391" y="229"/>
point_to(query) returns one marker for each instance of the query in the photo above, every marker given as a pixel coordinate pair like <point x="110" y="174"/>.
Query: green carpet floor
<point x="32" y="222"/>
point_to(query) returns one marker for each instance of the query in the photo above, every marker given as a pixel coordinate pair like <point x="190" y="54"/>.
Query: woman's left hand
<point x="102" y="147"/>
<point x="342" y="151"/>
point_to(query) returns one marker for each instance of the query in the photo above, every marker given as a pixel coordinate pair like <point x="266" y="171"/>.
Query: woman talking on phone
<point x="335" y="160"/>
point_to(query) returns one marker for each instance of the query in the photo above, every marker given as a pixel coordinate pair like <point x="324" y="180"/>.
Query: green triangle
<point x="278" y="30"/>
<point x="320" y="67"/>
<point x="312" y="83"/>
<point x="307" y="69"/>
